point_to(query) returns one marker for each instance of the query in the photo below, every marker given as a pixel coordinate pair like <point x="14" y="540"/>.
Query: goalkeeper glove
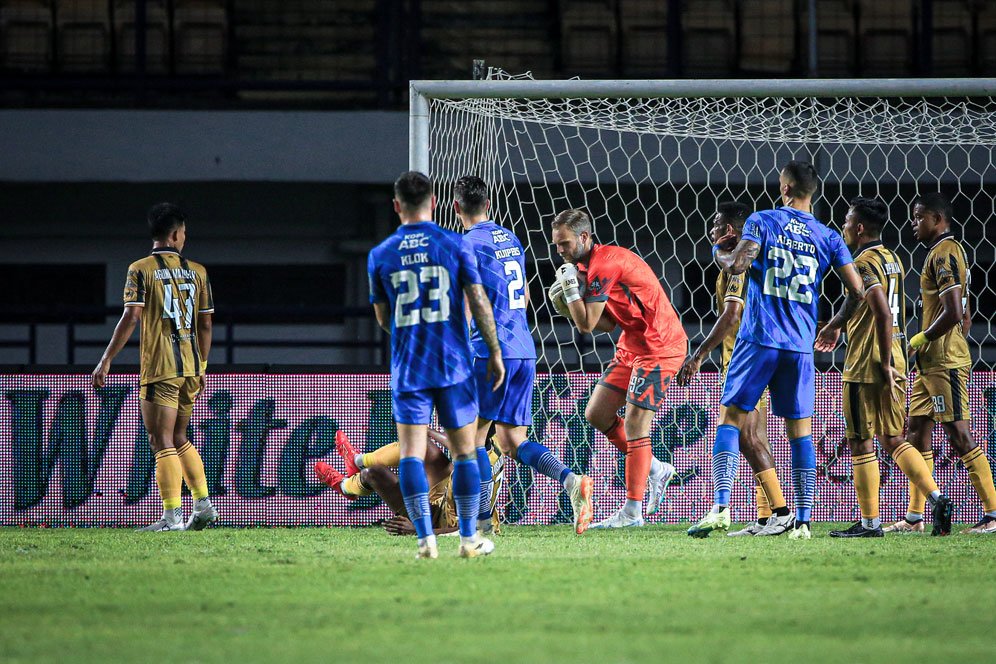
<point x="567" y="275"/>
<point x="556" y="296"/>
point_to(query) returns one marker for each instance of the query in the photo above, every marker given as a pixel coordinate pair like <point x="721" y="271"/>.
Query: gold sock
<point x="915" y="468"/>
<point x="169" y="478"/>
<point x="768" y="481"/>
<point x="918" y="499"/>
<point x="866" y="483"/>
<point x="981" y="476"/>
<point x="389" y="455"/>
<point x="193" y="470"/>
<point x="763" y="508"/>
<point x="354" y="486"/>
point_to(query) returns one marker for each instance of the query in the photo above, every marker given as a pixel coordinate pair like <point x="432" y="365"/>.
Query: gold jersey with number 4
<point x="946" y="268"/>
<point x="172" y="290"/>
<point x="879" y="268"/>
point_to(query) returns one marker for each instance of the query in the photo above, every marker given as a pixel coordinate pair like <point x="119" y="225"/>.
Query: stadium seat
<point x="951" y="38"/>
<point x="26" y="35"/>
<point x="156" y="35"/>
<point x="200" y="36"/>
<point x="768" y="36"/>
<point x="84" y="35"/>
<point x="835" y="38"/>
<point x="589" y="33"/>
<point x="885" y="36"/>
<point x="643" y="28"/>
<point x="986" y="45"/>
<point x="710" y="37"/>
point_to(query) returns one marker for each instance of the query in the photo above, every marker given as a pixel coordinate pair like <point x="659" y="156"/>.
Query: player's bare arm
<point x="966" y="319"/>
<point x="829" y="334"/>
<point x="480" y="308"/>
<point x="205" y="322"/>
<point x="588" y="315"/>
<point x="877" y="302"/>
<point x="853" y="283"/>
<point x="130" y="317"/>
<point x="726" y="322"/>
<point x="739" y="259"/>
<point x="952" y="313"/>
<point x="383" y="314"/>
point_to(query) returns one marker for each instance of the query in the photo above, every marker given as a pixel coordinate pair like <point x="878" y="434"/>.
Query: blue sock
<point x="415" y="491"/>
<point x="725" y="459"/>
<point x="803" y="476"/>
<point x="538" y="457"/>
<point x="484" y="468"/>
<point x="467" y="494"/>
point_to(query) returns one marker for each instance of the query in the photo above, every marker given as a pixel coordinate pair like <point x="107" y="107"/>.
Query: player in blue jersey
<point x="420" y="278"/>
<point x="502" y="264"/>
<point x="786" y="253"/>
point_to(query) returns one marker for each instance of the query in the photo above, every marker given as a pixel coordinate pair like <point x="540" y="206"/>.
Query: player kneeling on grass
<point x="502" y="264"/>
<point x="875" y="371"/>
<point x="619" y="288"/>
<point x="372" y="472"/>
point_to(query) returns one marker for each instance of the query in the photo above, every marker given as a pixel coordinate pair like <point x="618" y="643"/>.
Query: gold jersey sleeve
<point x="729" y="287"/>
<point x="879" y="268"/>
<point x="172" y="290"/>
<point x="946" y="268"/>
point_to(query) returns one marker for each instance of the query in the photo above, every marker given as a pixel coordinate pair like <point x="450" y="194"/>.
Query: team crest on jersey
<point x="797" y="227"/>
<point x="595" y="286"/>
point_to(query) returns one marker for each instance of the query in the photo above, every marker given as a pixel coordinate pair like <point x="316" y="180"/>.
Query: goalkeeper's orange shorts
<point x="643" y="379"/>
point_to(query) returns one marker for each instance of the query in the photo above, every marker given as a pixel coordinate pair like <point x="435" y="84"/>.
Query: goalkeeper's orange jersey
<point x="634" y="298"/>
<point x="172" y="290"/>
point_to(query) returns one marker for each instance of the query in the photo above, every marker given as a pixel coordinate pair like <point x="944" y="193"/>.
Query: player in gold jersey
<point x="171" y="297"/>
<point x="729" y="220"/>
<point x="875" y="371"/>
<point x="943" y="363"/>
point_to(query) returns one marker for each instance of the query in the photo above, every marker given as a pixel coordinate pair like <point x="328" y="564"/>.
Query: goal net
<point x="650" y="161"/>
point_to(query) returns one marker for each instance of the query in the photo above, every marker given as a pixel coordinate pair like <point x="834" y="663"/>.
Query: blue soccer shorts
<point x="512" y="402"/>
<point x="790" y="375"/>
<point x="456" y="405"/>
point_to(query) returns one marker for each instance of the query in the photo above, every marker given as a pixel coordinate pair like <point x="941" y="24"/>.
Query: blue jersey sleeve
<point x="753" y="229"/>
<point x="469" y="272"/>
<point x="840" y="254"/>
<point x="377" y="293"/>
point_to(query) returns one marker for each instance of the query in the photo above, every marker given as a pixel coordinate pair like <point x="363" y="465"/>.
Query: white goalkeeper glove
<point x="567" y="276"/>
<point x="556" y="297"/>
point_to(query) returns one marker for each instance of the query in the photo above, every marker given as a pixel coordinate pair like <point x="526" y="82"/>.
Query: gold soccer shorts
<point x="869" y="411"/>
<point x="179" y="393"/>
<point x="941" y="395"/>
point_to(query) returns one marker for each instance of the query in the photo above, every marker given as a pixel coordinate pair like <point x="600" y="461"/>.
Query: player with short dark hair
<point x="420" y="278"/>
<point x="171" y="297"/>
<point x="786" y="253"/>
<point x="619" y="288"/>
<point x="874" y="395"/>
<point x="502" y="264"/>
<point x="943" y="362"/>
<point x="729" y="220"/>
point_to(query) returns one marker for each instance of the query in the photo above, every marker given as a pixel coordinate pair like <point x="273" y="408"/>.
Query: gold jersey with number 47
<point x="172" y="290"/>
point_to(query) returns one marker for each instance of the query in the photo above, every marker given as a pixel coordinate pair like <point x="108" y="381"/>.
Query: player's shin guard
<point x="616" y="433"/>
<point x="484" y="469"/>
<point x="768" y="481"/>
<point x="803" y="476"/>
<point x="725" y="460"/>
<point x="538" y="457"/>
<point x="918" y="499"/>
<point x="467" y="495"/>
<point x="169" y="478"/>
<point x="415" y="491"/>
<point x="915" y="468"/>
<point x="193" y="470"/>
<point x="981" y="476"/>
<point x="761" y="499"/>
<point x="638" y="459"/>
<point x="866" y="483"/>
<point x="389" y="455"/>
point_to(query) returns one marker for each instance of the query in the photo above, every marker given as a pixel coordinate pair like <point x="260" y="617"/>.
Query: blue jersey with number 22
<point x="783" y="285"/>
<point x="420" y="271"/>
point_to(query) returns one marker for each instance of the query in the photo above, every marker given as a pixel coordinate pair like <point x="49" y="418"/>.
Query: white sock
<point x="570" y="481"/>
<point x="716" y="509"/>
<point x="473" y="539"/>
<point x="656" y="466"/>
<point x="202" y="504"/>
<point x="913" y="517"/>
<point x="174" y="515"/>
<point x="632" y="508"/>
<point x="871" y="524"/>
<point x="992" y="514"/>
<point x="358" y="460"/>
<point x="428" y="540"/>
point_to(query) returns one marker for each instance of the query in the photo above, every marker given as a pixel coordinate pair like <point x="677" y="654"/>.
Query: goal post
<point x="650" y="160"/>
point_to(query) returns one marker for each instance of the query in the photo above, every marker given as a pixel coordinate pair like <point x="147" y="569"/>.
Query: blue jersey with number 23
<point x="420" y="271"/>
<point x="783" y="285"/>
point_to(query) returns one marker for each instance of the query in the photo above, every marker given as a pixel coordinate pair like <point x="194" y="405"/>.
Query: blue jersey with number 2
<point x="502" y="264"/>
<point x="783" y="287"/>
<point x="420" y="271"/>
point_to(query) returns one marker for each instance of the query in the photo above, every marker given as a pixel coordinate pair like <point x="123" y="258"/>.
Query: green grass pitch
<point x="358" y="595"/>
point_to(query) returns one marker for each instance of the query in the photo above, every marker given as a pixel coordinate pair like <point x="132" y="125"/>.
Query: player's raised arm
<point x="737" y="260"/>
<point x="852" y="281"/>
<point x="480" y="308"/>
